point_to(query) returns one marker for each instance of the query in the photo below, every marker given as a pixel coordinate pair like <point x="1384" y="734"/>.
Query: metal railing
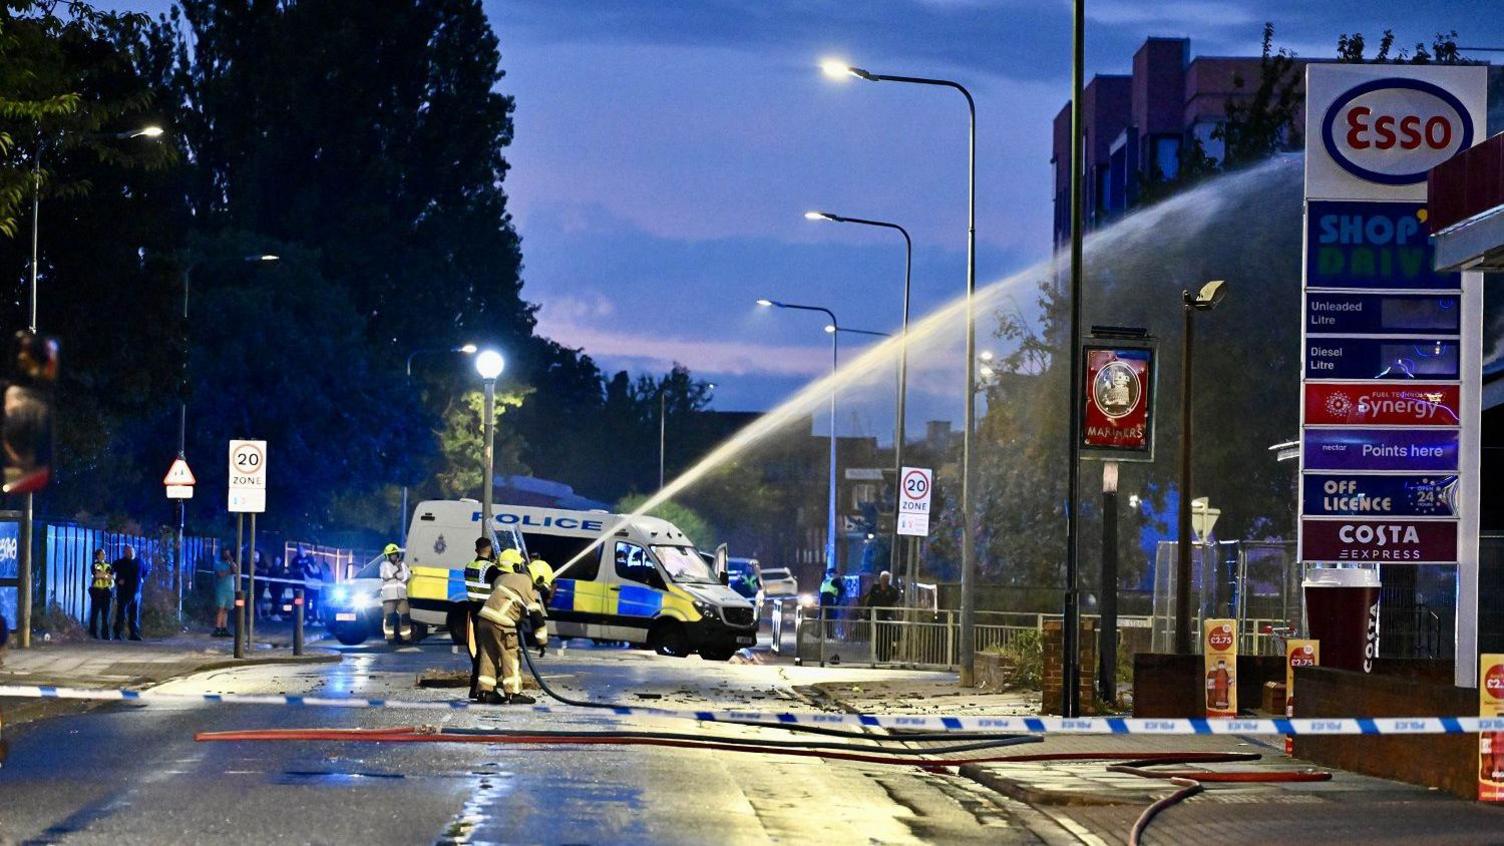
<point x="924" y="639"/>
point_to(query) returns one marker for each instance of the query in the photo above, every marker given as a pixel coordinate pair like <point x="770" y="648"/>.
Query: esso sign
<point x="1393" y="131"/>
<point x="1493" y="682"/>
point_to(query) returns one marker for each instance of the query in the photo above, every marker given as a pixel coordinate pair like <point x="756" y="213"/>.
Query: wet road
<point x="134" y="774"/>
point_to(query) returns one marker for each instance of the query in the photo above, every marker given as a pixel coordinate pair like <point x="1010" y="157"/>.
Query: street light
<point x="840" y="70"/>
<point x="903" y="373"/>
<point x="830" y="524"/>
<point x="467" y="349"/>
<point x="489" y="365"/>
<point x="1205" y="299"/>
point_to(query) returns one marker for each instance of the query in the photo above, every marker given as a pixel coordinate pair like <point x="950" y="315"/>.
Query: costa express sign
<point x="1393" y="131"/>
<point x="1379" y="541"/>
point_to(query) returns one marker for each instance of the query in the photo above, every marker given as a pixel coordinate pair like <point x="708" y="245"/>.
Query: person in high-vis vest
<point x="513" y="599"/>
<point x="480" y="575"/>
<point x="396" y="620"/>
<point x="101" y="582"/>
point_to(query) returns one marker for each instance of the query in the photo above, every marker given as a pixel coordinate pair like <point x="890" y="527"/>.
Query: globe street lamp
<point x="830" y="522"/>
<point x="1205" y="299"/>
<point x="841" y="70"/>
<point x="903" y="371"/>
<point x="489" y="365"/>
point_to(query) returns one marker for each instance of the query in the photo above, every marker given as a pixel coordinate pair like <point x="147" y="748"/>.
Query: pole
<point x="250" y="620"/>
<point x="23" y="554"/>
<point x="490" y="450"/>
<point x="1071" y="684"/>
<point x="662" y="432"/>
<point x="297" y="621"/>
<point x="898" y="427"/>
<point x="1183" y="537"/>
<point x="239" y="590"/>
<point x="1107" y="651"/>
<point x="183" y="437"/>
<point x="830" y="519"/>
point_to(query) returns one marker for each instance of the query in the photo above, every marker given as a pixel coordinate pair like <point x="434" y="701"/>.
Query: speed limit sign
<point x="915" y="486"/>
<point x="248" y="476"/>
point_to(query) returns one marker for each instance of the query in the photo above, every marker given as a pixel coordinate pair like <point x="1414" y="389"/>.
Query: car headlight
<point x="707" y="610"/>
<point x="365" y="600"/>
<point x="339" y="595"/>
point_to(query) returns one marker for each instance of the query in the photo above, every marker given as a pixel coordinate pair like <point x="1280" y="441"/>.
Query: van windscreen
<point x="684" y="565"/>
<point x="558" y="551"/>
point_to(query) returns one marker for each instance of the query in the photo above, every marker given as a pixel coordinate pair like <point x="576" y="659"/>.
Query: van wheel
<point x="668" y="638"/>
<point x="420" y="631"/>
<point x="717" y="654"/>
<point x="350" y="635"/>
<point x="457" y="621"/>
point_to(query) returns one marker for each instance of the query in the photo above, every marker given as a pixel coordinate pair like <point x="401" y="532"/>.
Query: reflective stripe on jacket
<point x="394" y="579"/>
<point x="104" y="576"/>
<point x="512" y="599"/>
<point x="480" y="574"/>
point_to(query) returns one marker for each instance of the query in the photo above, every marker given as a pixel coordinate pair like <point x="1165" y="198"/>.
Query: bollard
<point x="239" y="624"/>
<point x="297" y="621"/>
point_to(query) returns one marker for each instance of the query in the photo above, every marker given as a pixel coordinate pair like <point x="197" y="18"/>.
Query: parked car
<point x="778" y="583"/>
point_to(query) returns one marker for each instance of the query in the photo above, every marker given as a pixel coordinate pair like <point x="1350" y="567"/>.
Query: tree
<point x="462" y="443"/>
<point x="1261" y="124"/>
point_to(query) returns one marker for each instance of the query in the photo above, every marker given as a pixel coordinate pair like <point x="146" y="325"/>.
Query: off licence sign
<point x="247" y="476"/>
<point x="915" y="487"/>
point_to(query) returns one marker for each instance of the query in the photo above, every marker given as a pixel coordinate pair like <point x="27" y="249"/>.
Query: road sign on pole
<point x="179" y="480"/>
<point x="248" y="476"/>
<point x="915" y="486"/>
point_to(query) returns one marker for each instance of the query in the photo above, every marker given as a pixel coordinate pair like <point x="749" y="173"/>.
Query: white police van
<point x="642" y="582"/>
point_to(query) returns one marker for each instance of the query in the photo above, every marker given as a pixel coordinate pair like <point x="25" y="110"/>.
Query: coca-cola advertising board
<point x="1299" y="652"/>
<point x="1491" y="743"/>
<point x="1219" y="646"/>
<point x="1359" y="404"/>
<point x="1118" y="403"/>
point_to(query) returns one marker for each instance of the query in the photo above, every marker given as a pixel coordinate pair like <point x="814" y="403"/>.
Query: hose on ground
<point x="1192" y="782"/>
<point x="1188" y="788"/>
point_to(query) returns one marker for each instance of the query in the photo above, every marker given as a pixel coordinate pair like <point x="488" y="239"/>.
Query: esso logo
<point x="1393" y="131"/>
<point x="1220" y="638"/>
<point x="1493" y="682"/>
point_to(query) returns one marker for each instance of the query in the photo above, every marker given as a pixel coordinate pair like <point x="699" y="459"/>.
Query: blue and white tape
<point x="1032" y="725"/>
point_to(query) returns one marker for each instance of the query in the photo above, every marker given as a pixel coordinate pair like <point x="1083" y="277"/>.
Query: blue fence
<point x="67" y="549"/>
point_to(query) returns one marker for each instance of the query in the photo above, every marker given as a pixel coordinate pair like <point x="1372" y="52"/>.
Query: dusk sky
<point x="665" y="153"/>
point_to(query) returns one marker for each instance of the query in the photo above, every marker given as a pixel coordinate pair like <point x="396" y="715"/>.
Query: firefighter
<point x="480" y="576"/>
<point x="542" y="574"/>
<point x="101" y="582"/>
<point x="513" y="599"/>
<point x="396" y="623"/>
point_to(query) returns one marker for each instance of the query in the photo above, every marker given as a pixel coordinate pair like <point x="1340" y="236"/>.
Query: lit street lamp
<point x="467" y="349"/>
<point x="903" y="377"/>
<point x="841" y="70"/>
<point x="489" y="365"/>
<point x="834" y="331"/>
<point x="23" y="555"/>
<point x="1205" y="299"/>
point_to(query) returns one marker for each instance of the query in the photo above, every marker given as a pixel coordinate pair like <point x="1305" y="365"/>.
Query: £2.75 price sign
<point x="248" y="476"/>
<point x="915" y="486"/>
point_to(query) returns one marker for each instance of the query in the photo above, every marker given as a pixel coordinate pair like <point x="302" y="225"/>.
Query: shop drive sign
<point x="1389" y="404"/>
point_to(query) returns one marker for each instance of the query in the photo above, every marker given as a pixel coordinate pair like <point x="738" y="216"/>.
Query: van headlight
<point x="707" y="610"/>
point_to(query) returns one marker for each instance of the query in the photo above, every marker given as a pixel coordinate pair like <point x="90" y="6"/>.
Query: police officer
<point x="513" y="598"/>
<point x="480" y="575"/>
<point x="396" y="622"/>
<point x="101" y="582"/>
<point x="830" y="590"/>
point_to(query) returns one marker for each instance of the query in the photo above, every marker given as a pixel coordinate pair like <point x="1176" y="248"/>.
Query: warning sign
<point x="179" y="480"/>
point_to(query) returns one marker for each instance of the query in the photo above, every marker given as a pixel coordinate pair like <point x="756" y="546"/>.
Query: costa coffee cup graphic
<point x="1342" y="612"/>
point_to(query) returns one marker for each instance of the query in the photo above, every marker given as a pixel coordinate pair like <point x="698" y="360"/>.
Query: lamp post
<point x="467" y="349"/>
<point x="835" y="358"/>
<point x="1205" y="299"/>
<point x="841" y="70"/>
<point x="489" y="365"/>
<point x="903" y="378"/>
<point x="663" y="427"/>
<point x="23" y="551"/>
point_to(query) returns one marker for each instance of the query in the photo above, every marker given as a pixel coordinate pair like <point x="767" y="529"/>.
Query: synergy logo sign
<point x="1392" y="131"/>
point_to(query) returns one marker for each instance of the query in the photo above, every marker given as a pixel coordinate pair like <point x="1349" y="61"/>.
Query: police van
<point x="643" y="582"/>
<point x="440" y="542"/>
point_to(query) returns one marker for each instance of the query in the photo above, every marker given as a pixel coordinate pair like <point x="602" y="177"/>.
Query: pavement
<point x="1090" y="804"/>
<point x="90" y="663"/>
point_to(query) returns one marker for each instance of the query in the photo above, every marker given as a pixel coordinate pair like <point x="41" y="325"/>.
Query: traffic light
<point x="27" y="431"/>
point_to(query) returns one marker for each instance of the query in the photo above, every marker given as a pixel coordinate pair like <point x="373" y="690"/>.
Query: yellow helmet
<point x="391" y="548"/>
<point x="510" y="556"/>
<point x="540" y="571"/>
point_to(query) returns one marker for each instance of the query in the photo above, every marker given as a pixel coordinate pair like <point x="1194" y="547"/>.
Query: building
<point x="1137" y="126"/>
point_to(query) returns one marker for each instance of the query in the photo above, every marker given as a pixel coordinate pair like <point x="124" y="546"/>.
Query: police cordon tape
<point x="1034" y="725"/>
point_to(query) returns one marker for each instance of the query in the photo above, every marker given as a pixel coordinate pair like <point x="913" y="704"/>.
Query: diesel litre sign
<point x="1379" y="541"/>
